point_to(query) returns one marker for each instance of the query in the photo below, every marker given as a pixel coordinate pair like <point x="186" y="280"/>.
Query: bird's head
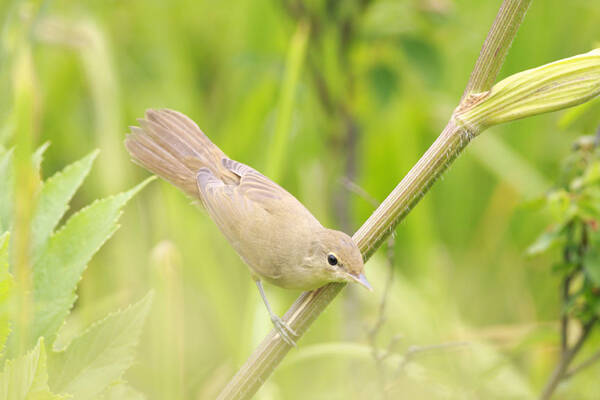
<point x="338" y="258"/>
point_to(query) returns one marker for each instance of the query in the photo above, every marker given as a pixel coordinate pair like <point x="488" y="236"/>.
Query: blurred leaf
<point x="588" y="208"/>
<point x="559" y="204"/>
<point x="6" y="191"/>
<point x="591" y="262"/>
<point x="424" y="57"/>
<point x="592" y="173"/>
<point x="100" y="356"/>
<point x="533" y="204"/>
<point x="121" y="391"/>
<point x="546" y="241"/>
<point x="6" y="283"/>
<point x="389" y="18"/>
<point x="26" y="378"/>
<point x="562" y="267"/>
<point x="54" y="198"/>
<point x="59" y="266"/>
<point x="596" y="303"/>
<point x="384" y="82"/>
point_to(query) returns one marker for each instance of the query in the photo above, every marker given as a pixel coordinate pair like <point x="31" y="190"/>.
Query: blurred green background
<point x="311" y="92"/>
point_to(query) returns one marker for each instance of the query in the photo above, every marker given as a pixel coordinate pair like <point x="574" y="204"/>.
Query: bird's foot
<point x="284" y="330"/>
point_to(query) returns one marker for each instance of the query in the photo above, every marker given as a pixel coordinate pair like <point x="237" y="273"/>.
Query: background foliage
<point x="248" y="73"/>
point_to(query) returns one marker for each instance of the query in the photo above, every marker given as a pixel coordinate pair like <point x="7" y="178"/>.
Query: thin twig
<point x="567" y="354"/>
<point x="564" y="321"/>
<point x="414" y="351"/>
<point x="583" y="365"/>
<point x="354" y="188"/>
<point x="560" y="371"/>
<point x="390" y="256"/>
<point x="378" y="356"/>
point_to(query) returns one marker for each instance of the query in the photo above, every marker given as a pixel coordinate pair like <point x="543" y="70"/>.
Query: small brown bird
<point x="276" y="236"/>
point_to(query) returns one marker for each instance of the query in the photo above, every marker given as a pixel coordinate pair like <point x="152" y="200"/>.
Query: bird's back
<point x="262" y="221"/>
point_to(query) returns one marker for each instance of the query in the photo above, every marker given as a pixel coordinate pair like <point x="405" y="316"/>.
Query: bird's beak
<point x="362" y="280"/>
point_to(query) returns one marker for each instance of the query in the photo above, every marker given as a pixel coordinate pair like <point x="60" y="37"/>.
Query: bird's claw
<point x="284" y="330"/>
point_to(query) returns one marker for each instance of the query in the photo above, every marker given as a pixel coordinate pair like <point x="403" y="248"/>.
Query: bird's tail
<point x="173" y="147"/>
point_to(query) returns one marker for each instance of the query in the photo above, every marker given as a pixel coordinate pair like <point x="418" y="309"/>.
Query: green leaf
<point x="592" y="174"/>
<point x="6" y="284"/>
<point x="100" y="356"/>
<point x="6" y="191"/>
<point x="591" y="262"/>
<point x="38" y="156"/>
<point x="383" y="82"/>
<point x="560" y="204"/>
<point x="545" y="241"/>
<point x="59" y="267"/>
<point x="54" y="199"/>
<point x="588" y="208"/>
<point x="27" y="377"/>
<point x="389" y="18"/>
<point x="424" y="57"/>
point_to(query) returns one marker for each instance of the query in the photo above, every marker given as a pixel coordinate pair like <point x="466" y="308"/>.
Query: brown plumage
<point x="277" y="237"/>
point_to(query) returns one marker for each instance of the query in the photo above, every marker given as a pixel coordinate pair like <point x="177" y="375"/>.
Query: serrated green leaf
<point x="54" y="198"/>
<point x="6" y="284"/>
<point x="6" y="191"/>
<point x="100" y="356"/>
<point x="59" y="267"/>
<point x="26" y="378"/>
<point x="38" y="156"/>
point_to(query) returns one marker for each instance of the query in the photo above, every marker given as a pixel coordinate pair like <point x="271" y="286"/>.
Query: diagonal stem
<point x="560" y="372"/>
<point x="494" y="49"/>
<point x="584" y="364"/>
<point x="394" y="208"/>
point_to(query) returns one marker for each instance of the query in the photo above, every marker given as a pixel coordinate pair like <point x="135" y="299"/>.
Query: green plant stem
<point x="281" y="134"/>
<point x="494" y="49"/>
<point x="394" y="208"/>
<point x="24" y="193"/>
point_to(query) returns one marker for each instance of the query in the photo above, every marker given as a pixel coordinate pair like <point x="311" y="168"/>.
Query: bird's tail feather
<point x="172" y="146"/>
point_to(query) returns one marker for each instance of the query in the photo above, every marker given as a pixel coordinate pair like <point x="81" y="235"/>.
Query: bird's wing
<point x="262" y="192"/>
<point x="223" y="202"/>
<point x="255" y="194"/>
<point x="254" y="186"/>
<point x="230" y="201"/>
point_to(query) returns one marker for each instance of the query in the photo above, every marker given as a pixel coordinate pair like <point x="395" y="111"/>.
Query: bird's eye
<point x="332" y="260"/>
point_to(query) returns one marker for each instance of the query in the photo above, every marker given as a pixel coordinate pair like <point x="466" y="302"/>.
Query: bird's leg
<point x="284" y="330"/>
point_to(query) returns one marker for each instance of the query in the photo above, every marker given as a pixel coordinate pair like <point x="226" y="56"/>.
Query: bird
<point x="275" y="235"/>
